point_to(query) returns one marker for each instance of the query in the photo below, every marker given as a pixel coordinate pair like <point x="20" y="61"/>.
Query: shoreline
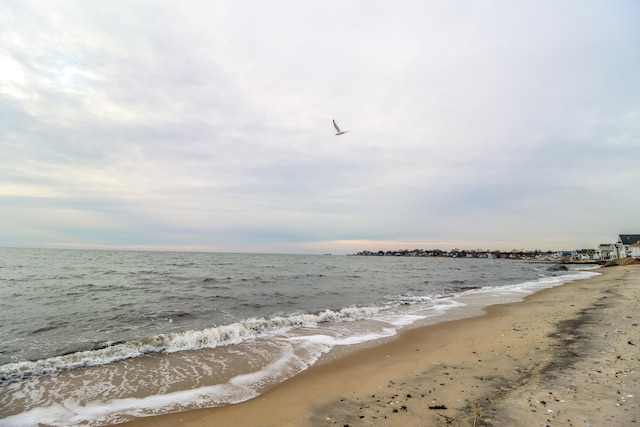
<point x="563" y="355"/>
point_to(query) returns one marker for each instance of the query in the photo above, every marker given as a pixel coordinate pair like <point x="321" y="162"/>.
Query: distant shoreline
<point x="541" y="256"/>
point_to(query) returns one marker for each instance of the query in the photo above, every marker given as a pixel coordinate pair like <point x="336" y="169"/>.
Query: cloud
<point x="208" y="124"/>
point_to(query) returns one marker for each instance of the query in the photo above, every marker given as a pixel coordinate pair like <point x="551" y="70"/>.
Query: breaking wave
<point x="216" y="336"/>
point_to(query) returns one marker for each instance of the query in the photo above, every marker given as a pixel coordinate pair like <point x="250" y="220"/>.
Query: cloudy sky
<point x="206" y="125"/>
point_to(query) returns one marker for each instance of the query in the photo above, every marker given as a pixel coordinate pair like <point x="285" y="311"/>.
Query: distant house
<point x="584" y="254"/>
<point x="625" y="243"/>
<point x="563" y="254"/>
<point x="635" y="250"/>
<point x="606" y="251"/>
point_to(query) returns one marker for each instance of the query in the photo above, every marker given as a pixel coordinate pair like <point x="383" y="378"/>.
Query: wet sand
<point x="566" y="356"/>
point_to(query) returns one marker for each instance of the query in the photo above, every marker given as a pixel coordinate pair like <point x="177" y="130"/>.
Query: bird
<point x="338" y="131"/>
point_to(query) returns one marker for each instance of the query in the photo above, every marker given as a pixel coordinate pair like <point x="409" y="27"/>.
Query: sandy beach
<point x="565" y="356"/>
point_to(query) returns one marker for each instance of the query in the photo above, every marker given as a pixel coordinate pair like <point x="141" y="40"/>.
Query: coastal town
<point x="626" y="246"/>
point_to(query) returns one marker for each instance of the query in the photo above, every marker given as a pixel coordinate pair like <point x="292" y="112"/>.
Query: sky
<point x="207" y="125"/>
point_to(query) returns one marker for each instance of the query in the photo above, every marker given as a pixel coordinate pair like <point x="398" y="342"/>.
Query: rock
<point x="558" y="267"/>
<point x="438" y="407"/>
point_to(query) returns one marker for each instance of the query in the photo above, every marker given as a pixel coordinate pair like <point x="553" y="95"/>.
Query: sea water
<point x="94" y="337"/>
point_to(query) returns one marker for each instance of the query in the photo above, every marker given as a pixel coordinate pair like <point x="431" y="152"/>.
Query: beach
<point x="566" y="355"/>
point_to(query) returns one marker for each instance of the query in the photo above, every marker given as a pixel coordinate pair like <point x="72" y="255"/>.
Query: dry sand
<point x="566" y="356"/>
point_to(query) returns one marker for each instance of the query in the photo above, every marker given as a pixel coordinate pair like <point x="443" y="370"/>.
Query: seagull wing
<point x="336" y="126"/>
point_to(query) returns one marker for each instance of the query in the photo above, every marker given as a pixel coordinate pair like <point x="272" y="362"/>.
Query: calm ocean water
<point x="96" y="337"/>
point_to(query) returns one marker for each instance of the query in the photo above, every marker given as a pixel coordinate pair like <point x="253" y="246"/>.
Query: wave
<point x="235" y="333"/>
<point x="532" y="285"/>
<point x="255" y="328"/>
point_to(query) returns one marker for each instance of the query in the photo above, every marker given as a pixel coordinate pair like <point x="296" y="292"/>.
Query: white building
<point x="624" y="245"/>
<point x="606" y="251"/>
<point x="635" y="250"/>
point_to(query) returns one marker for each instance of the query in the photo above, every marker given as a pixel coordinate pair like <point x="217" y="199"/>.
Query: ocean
<point x="96" y="337"/>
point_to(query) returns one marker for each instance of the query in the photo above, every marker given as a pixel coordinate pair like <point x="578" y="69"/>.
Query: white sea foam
<point x="73" y="413"/>
<point x="235" y="333"/>
<point x="333" y="341"/>
<point x="530" y="287"/>
<point x="403" y="320"/>
<point x="239" y="388"/>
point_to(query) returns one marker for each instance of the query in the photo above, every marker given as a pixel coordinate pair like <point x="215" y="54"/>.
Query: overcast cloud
<point x="206" y="125"/>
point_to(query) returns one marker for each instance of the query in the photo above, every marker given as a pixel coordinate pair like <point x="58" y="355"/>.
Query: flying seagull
<point x="338" y="131"/>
